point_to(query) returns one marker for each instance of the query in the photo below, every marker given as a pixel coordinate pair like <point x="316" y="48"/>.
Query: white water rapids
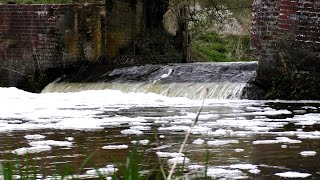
<point x="245" y="139"/>
<point x="193" y="81"/>
<point x="106" y="113"/>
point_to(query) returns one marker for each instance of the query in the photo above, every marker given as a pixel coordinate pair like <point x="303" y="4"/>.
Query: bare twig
<point x="12" y="70"/>
<point x="182" y="147"/>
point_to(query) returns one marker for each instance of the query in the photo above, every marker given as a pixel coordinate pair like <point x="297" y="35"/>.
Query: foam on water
<point x="50" y="143"/>
<point x="292" y="174"/>
<point x="141" y="142"/>
<point x="227" y="126"/>
<point x="243" y="166"/>
<point x="198" y="141"/>
<point x="222" y="142"/>
<point x="278" y="140"/>
<point x="169" y="154"/>
<point x="179" y="160"/>
<point x="122" y="146"/>
<point x="219" y="173"/>
<point x="108" y="170"/>
<point x="31" y="150"/>
<point x="308" y="153"/>
<point x="34" y="136"/>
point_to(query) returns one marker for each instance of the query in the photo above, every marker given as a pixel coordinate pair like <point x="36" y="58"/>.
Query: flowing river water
<point x="234" y="138"/>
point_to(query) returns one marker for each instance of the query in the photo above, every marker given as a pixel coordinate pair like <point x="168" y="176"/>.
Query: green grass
<point x="211" y="46"/>
<point x="24" y="168"/>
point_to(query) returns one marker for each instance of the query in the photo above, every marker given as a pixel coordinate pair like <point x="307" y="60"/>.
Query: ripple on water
<point x="232" y="132"/>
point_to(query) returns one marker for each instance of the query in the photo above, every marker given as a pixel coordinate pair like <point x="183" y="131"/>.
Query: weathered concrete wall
<point x="34" y="38"/>
<point x="38" y="37"/>
<point x="124" y="21"/>
<point x="278" y="20"/>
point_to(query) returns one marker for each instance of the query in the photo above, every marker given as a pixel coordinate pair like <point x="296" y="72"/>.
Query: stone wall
<point x="35" y="38"/>
<point x="124" y="21"/>
<point x="277" y="21"/>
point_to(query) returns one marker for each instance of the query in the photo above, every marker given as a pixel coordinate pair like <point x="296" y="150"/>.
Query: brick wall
<point x="39" y="37"/>
<point x="275" y="20"/>
<point x="26" y="38"/>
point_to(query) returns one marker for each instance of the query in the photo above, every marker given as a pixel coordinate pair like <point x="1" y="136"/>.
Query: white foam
<point x="308" y="153"/>
<point x="222" y="142"/>
<point x="239" y="150"/>
<point x="69" y="138"/>
<point x="292" y="174"/>
<point x="220" y="132"/>
<point x="110" y="169"/>
<point x="308" y="136"/>
<point x="268" y="112"/>
<point x="131" y="132"/>
<point x="179" y="160"/>
<point x="278" y="140"/>
<point x="122" y="146"/>
<point x="142" y="142"/>
<point x="175" y="128"/>
<point x="308" y="107"/>
<point x="243" y="166"/>
<point x="141" y="128"/>
<point x="34" y="136"/>
<point x="168" y="154"/>
<point x="196" y="167"/>
<point x="198" y="141"/>
<point x="218" y="173"/>
<point x="161" y="136"/>
<point x="254" y="171"/>
<point x="50" y="143"/>
<point x="31" y="150"/>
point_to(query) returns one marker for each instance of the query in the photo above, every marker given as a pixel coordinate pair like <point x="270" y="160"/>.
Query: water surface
<point x="243" y="139"/>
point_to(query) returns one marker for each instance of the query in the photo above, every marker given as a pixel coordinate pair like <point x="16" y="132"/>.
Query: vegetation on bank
<point x="295" y="71"/>
<point x="221" y="31"/>
<point x="216" y="47"/>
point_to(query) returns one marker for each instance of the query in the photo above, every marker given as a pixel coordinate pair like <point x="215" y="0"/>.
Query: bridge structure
<point x="285" y="35"/>
<point x="37" y="37"/>
<point x="34" y="38"/>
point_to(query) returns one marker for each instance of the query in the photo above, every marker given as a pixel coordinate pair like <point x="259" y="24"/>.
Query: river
<point x="234" y="138"/>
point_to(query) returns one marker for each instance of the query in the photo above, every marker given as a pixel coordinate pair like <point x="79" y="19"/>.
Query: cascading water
<point x="194" y="80"/>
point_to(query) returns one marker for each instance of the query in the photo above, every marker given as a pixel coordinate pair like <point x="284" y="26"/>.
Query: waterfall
<point x="193" y="80"/>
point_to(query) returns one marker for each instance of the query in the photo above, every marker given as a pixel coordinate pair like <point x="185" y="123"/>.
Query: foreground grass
<point x="132" y="169"/>
<point x="211" y="46"/>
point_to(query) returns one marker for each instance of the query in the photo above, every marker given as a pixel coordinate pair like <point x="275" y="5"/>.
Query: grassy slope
<point x="212" y="46"/>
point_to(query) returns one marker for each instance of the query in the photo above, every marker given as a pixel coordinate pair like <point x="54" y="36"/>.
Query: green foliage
<point x="18" y="170"/>
<point x="36" y="1"/>
<point x="211" y="14"/>
<point x="215" y="47"/>
<point x="131" y="170"/>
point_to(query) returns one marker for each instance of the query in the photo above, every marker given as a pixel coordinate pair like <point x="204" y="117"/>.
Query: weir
<point x="194" y="80"/>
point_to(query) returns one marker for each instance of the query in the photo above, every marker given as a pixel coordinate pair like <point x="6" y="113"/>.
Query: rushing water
<point x="233" y="138"/>
<point x="221" y="80"/>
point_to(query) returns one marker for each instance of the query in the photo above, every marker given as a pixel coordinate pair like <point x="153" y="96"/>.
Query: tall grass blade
<point x="187" y="136"/>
